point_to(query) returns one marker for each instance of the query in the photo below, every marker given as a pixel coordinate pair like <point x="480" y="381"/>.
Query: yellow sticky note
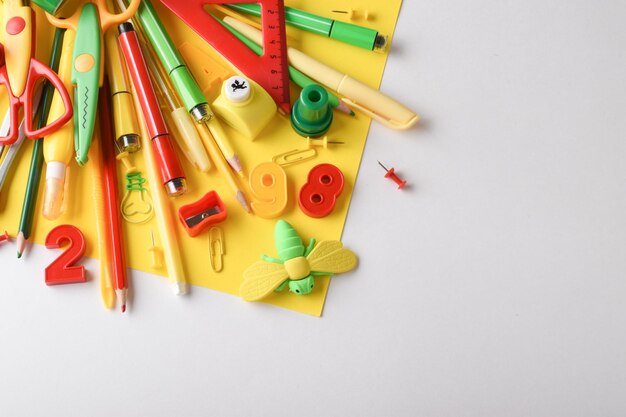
<point x="246" y="237"/>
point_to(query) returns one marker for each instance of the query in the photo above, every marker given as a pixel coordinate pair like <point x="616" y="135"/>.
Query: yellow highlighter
<point x="58" y="147"/>
<point x="124" y="115"/>
<point x="165" y="216"/>
<point x="166" y="222"/>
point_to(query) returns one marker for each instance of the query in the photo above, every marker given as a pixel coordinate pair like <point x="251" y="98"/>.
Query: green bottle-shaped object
<point x="312" y="115"/>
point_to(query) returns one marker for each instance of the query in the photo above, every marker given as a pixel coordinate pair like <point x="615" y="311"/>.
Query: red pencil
<point x="172" y="173"/>
<point x="111" y="199"/>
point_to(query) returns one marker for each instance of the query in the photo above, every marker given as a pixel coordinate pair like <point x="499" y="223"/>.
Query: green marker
<point x="186" y="86"/>
<point x="296" y="76"/>
<point x="355" y="35"/>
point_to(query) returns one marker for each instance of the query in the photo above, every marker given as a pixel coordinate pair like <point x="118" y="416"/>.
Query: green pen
<point x="296" y="76"/>
<point x="355" y="35"/>
<point x="190" y="93"/>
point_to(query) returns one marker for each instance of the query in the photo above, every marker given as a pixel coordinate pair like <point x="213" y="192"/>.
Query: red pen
<point x="172" y="173"/>
<point x="111" y="200"/>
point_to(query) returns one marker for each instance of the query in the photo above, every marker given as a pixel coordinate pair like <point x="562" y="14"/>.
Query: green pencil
<point x="296" y="76"/>
<point x="36" y="162"/>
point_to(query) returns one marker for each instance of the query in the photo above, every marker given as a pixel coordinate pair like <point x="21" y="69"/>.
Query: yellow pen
<point x="124" y="115"/>
<point x="58" y="147"/>
<point x="358" y="95"/>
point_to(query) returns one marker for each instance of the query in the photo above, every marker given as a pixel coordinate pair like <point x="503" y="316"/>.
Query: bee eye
<point x="311" y="286"/>
<point x="298" y="291"/>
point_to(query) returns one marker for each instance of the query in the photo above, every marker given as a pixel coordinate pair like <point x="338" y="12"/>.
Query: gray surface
<point x="505" y="293"/>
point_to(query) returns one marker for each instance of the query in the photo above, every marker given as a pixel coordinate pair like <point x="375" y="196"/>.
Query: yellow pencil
<point x="221" y="165"/>
<point x="221" y="139"/>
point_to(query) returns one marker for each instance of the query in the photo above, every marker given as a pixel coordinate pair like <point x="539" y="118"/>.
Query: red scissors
<point x="20" y="73"/>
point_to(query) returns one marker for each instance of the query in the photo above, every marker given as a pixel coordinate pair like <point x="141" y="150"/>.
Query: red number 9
<point x="319" y="195"/>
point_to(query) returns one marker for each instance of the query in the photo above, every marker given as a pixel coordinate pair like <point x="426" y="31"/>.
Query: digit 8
<point x="319" y="195"/>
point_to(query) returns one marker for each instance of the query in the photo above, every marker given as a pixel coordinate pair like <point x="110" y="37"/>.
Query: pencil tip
<point x="21" y="243"/>
<point x="235" y="164"/>
<point x="121" y="298"/>
<point x="343" y="107"/>
<point x="242" y="200"/>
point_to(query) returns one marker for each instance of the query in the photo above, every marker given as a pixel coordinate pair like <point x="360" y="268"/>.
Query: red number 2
<point x="63" y="270"/>
<point x="319" y="195"/>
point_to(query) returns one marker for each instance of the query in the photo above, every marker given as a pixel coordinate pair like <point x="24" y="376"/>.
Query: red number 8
<point x="319" y="195"/>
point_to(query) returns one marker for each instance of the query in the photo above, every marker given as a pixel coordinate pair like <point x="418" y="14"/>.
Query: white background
<point x="494" y="286"/>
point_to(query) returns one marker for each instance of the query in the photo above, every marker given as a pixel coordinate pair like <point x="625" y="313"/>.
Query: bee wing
<point x="331" y="256"/>
<point x="260" y="279"/>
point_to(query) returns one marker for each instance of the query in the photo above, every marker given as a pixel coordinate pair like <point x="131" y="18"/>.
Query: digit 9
<point x="268" y="183"/>
<point x="319" y="195"/>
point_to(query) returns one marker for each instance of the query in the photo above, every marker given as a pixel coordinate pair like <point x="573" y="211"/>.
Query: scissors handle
<point x="37" y="71"/>
<point x="108" y="19"/>
<point x="14" y="104"/>
<point x="66" y="23"/>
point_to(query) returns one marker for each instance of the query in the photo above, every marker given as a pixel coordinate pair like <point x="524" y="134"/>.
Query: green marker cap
<point x="345" y="32"/>
<point x="50" y="6"/>
<point x="355" y="35"/>
<point x="311" y="115"/>
<point x="187" y="87"/>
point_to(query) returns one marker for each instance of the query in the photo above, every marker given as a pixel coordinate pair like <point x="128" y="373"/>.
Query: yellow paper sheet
<point x="246" y="236"/>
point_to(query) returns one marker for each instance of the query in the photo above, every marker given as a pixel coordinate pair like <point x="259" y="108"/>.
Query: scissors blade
<point x="86" y="77"/>
<point x="6" y="123"/>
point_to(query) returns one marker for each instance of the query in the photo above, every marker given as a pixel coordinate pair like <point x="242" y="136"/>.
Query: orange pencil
<point x="111" y="201"/>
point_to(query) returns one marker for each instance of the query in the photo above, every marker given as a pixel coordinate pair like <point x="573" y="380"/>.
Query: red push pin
<point x="5" y="236"/>
<point x="391" y="174"/>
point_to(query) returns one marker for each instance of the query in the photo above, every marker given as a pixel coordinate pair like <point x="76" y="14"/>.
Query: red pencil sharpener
<point x="205" y="212"/>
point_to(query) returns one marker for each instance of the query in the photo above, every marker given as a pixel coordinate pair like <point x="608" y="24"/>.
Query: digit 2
<point x="319" y="195"/>
<point x="62" y="270"/>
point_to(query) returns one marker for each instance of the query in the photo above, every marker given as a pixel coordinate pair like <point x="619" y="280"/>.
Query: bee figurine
<point x="296" y="267"/>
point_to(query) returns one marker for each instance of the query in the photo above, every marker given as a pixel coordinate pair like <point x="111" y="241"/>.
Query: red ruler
<point x="270" y="70"/>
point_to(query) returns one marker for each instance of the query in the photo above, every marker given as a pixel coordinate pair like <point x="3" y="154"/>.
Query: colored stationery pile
<point x="189" y="139"/>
